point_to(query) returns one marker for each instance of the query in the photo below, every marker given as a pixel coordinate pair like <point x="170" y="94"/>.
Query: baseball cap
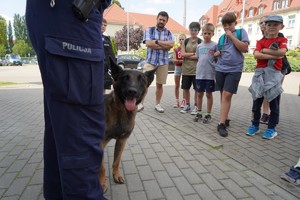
<point x="274" y="18"/>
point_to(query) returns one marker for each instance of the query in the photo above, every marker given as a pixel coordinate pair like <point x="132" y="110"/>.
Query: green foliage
<point x="113" y="45"/>
<point x="10" y="37"/>
<point x="141" y="52"/>
<point x="2" y="31"/>
<point x="292" y="56"/>
<point x="21" y="48"/>
<point x="118" y="3"/>
<point x="2" y="50"/>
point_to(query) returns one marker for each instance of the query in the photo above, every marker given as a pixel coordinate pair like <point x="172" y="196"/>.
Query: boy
<point x="205" y="72"/>
<point x="229" y="66"/>
<point x="188" y="52"/>
<point x="266" y="82"/>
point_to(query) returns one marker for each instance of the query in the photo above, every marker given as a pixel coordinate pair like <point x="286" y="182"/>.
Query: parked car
<point x="129" y="60"/>
<point x="171" y="67"/>
<point x="12" y="59"/>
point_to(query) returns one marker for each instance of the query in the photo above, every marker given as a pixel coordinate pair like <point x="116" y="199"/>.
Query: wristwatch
<point x="156" y="41"/>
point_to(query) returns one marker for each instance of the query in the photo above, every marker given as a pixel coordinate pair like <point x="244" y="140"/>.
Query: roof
<point x="115" y="14"/>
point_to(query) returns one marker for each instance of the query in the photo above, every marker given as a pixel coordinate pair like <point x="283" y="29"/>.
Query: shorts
<point x="188" y="81"/>
<point x="204" y="85"/>
<point x="161" y="72"/>
<point x="228" y="81"/>
<point x="178" y="71"/>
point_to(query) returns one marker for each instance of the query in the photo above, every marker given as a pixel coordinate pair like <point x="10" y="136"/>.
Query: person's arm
<point x="165" y="45"/>
<point x="263" y="56"/>
<point x="240" y="45"/>
<point x="189" y="55"/>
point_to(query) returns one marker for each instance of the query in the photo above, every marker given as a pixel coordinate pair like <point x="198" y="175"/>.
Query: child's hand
<point x="217" y="53"/>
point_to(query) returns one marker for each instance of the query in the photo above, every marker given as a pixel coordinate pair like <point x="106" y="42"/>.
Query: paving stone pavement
<point x="168" y="156"/>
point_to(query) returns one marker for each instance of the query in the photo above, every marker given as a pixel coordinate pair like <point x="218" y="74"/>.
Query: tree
<point x="117" y="2"/>
<point x="3" y="27"/>
<point x="135" y="38"/>
<point x="21" y="48"/>
<point x="20" y="28"/>
<point x="10" y="38"/>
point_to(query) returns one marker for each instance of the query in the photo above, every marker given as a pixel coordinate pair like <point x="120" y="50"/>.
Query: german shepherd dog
<point x="130" y="87"/>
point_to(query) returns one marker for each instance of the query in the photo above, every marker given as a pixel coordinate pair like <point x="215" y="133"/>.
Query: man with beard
<point x="159" y="41"/>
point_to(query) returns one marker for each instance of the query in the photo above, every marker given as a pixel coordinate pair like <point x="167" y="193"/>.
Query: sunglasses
<point x="194" y="29"/>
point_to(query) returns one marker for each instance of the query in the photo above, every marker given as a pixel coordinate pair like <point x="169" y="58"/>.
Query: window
<point x="220" y="19"/>
<point x="290" y="40"/>
<point x="291" y="23"/>
<point x="202" y="22"/>
<point x="257" y="28"/>
<point x="219" y="33"/>
<point x="285" y="4"/>
<point x="251" y="12"/>
<point x="260" y="10"/>
<point x="276" y="5"/>
<point x="249" y="29"/>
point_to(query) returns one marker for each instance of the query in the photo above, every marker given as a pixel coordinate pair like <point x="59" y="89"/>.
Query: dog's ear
<point x="115" y="68"/>
<point x="150" y="76"/>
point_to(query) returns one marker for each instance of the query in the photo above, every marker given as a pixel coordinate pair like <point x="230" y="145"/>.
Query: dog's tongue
<point x="130" y="104"/>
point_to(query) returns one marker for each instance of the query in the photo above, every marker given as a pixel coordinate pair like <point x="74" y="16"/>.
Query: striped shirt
<point x="157" y="57"/>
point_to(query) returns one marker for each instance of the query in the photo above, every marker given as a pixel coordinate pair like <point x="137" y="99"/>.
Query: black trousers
<point x="274" y="114"/>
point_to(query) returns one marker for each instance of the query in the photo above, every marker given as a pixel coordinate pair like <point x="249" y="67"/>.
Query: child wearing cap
<point x="267" y="77"/>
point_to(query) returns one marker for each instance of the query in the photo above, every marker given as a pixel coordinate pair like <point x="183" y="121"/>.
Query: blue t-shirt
<point x="231" y="59"/>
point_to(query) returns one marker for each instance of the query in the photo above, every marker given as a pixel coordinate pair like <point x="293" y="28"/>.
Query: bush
<point x="292" y="56"/>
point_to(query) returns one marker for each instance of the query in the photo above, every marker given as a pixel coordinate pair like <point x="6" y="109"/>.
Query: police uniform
<point x="108" y="51"/>
<point x="70" y="56"/>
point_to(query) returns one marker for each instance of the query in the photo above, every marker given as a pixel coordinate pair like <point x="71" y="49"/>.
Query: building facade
<point x="254" y="10"/>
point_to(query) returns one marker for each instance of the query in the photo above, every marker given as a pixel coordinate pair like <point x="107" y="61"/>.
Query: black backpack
<point x="187" y="40"/>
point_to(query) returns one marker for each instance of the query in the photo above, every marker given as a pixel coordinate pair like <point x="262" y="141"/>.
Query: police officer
<point x="70" y="56"/>
<point x="108" y="51"/>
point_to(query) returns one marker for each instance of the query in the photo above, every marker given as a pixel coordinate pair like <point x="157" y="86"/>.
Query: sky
<point x="175" y="8"/>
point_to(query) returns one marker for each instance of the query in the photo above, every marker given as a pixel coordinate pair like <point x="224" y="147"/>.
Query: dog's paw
<point x="118" y="178"/>
<point x="104" y="187"/>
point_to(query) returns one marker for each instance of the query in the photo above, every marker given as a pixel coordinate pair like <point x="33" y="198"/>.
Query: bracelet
<point x="262" y="50"/>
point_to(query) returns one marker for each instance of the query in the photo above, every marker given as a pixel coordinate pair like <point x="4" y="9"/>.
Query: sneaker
<point x="270" y="133"/>
<point x="264" y="118"/>
<point x="222" y="130"/>
<point x="176" y="105"/>
<point x="159" y="109"/>
<point x="227" y="122"/>
<point x="252" y="130"/>
<point x="183" y="103"/>
<point x="194" y="111"/>
<point x="186" y="109"/>
<point x="140" y="107"/>
<point x="198" y="116"/>
<point x="293" y="176"/>
<point x="207" y="119"/>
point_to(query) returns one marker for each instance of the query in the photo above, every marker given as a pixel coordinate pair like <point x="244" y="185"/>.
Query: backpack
<point x="152" y="32"/>
<point x="222" y="38"/>
<point x="187" y="40"/>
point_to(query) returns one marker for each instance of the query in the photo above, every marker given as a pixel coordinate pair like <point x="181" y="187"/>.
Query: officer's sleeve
<point x="104" y="4"/>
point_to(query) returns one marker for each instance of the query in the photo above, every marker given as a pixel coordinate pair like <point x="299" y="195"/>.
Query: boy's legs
<point x="177" y="75"/>
<point x="186" y="83"/>
<point x="227" y="83"/>
<point x="274" y="115"/>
